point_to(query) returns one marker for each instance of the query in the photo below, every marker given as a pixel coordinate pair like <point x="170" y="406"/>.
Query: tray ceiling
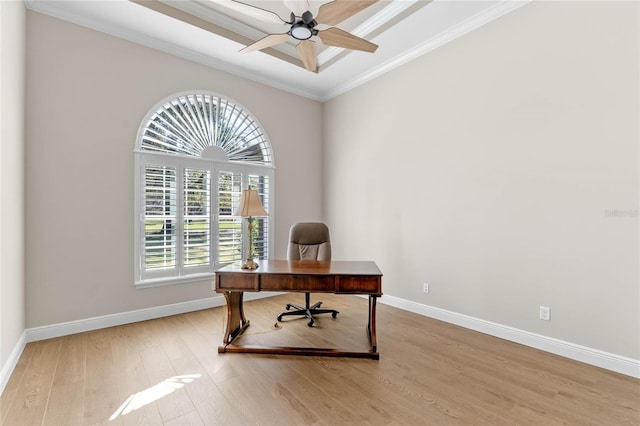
<point x="207" y="32"/>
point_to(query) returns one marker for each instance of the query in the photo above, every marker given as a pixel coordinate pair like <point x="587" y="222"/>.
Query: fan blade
<point x="307" y="51"/>
<point x="339" y="38"/>
<point x="268" y="41"/>
<point x="253" y="12"/>
<point x="298" y="7"/>
<point x="338" y="10"/>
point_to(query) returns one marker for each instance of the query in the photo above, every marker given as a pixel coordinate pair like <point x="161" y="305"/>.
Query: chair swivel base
<point x="308" y="311"/>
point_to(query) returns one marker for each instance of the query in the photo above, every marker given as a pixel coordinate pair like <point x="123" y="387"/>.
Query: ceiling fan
<point x="301" y="26"/>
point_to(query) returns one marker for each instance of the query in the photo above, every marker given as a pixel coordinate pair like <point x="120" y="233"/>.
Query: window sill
<point x="161" y="282"/>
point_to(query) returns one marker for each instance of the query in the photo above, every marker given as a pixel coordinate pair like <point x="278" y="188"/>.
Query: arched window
<point x="195" y="152"/>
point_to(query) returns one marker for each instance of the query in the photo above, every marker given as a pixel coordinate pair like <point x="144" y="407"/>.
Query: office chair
<point x="308" y="241"/>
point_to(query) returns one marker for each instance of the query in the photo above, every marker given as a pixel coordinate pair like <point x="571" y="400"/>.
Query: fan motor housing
<point x="303" y="27"/>
<point x="300" y="31"/>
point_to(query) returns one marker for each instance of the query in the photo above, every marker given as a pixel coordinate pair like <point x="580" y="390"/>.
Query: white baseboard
<point x="72" y="327"/>
<point x="11" y="363"/>
<point x="609" y="361"/>
<point x="96" y="323"/>
<point x="617" y="363"/>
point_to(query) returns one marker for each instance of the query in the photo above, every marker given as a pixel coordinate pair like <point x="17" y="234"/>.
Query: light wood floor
<point x="167" y="371"/>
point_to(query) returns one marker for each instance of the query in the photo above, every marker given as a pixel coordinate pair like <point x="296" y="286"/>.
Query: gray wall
<point x="493" y="168"/>
<point x="87" y="93"/>
<point x="12" y="141"/>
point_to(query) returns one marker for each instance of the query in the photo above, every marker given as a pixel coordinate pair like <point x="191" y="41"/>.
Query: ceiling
<point x="208" y="32"/>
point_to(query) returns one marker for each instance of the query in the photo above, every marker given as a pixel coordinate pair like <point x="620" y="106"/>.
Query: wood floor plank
<point x="102" y="397"/>
<point x="429" y="372"/>
<point x="8" y="396"/>
<point x="462" y="383"/>
<point x="183" y="349"/>
<point x="304" y="394"/>
<point x="66" y="404"/>
<point x="347" y="331"/>
<point x="172" y="400"/>
<point x="30" y="401"/>
<point x="138" y="406"/>
<point x="189" y="419"/>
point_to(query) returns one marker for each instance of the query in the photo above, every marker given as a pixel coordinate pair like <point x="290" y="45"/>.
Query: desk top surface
<point x="308" y="267"/>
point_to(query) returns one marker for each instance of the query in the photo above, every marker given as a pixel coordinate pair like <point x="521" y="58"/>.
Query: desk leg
<point x="236" y="321"/>
<point x="371" y="327"/>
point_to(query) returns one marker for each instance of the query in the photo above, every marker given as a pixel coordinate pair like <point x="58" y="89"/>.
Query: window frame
<point x="180" y="273"/>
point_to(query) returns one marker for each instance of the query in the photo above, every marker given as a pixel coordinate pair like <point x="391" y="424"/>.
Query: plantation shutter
<point x="160" y="245"/>
<point x="261" y="224"/>
<point x="195" y="153"/>
<point x="229" y="226"/>
<point x="197" y="218"/>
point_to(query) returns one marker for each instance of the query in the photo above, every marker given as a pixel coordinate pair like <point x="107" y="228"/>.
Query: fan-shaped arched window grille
<point x="195" y="152"/>
<point x="191" y="123"/>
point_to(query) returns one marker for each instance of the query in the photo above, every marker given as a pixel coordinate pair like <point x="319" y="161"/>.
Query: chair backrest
<point x="309" y="241"/>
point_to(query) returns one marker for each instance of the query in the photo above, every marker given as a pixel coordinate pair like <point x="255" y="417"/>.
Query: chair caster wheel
<point x="288" y="307"/>
<point x="310" y="323"/>
<point x="279" y="318"/>
<point x="334" y="314"/>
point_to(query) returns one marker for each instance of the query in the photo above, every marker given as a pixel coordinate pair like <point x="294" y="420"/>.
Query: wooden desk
<point x="339" y="277"/>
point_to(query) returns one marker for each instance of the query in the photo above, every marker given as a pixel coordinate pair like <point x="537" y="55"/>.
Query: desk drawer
<point x="310" y="283"/>
<point x="359" y="284"/>
<point x="239" y="281"/>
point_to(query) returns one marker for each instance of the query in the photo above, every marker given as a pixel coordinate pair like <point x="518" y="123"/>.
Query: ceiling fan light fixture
<point x="301" y="32"/>
<point x="302" y="27"/>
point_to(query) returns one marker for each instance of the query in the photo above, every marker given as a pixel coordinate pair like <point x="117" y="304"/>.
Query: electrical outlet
<point x="425" y="287"/>
<point x="545" y="313"/>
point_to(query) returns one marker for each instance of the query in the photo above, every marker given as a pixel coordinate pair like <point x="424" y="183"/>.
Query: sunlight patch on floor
<point x="152" y="394"/>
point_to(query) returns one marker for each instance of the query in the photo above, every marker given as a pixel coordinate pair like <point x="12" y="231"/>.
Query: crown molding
<point x="376" y="21"/>
<point x="59" y="10"/>
<point x="231" y="24"/>
<point x="278" y="74"/>
<point x="478" y="20"/>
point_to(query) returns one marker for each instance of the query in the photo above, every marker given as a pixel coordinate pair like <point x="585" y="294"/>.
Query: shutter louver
<point x="160" y="217"/>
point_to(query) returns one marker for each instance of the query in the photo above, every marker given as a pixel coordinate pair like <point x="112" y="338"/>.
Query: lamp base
<point x="249" y="264"/>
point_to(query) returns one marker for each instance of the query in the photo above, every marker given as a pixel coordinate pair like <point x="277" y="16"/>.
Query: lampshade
<point x="250" y="205"/>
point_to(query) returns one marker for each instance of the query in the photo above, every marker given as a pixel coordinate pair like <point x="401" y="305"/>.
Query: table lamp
<point x="250" y="207"/>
